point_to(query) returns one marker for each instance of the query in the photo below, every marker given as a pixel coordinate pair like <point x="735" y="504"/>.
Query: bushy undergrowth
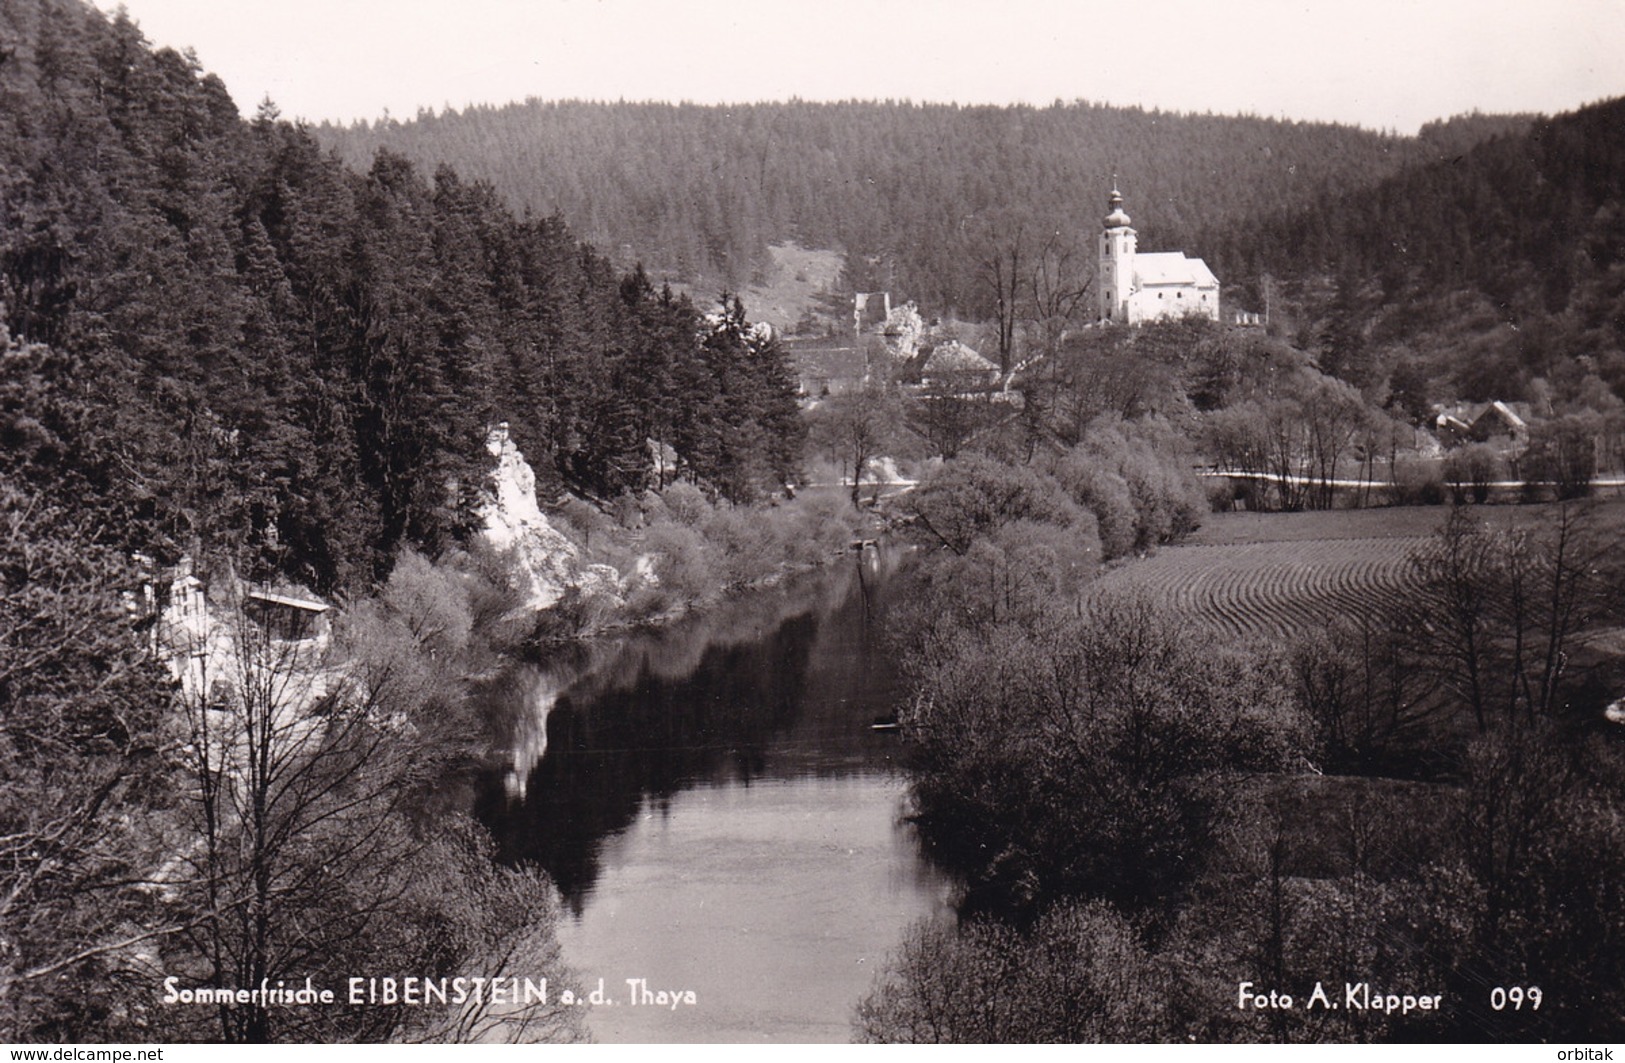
<point x="1095" y="982"/>
<point x="728" y="546"/>
<point x="1108" y="707"/>
<point x="678" y="547"/>
<point x="1126" y="488"/>
<point x="1419" y="482"/>
<point x="1133" y="811"/>
<point x="1137" y="479"/>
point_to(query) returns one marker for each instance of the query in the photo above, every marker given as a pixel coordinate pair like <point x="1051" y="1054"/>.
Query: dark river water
<point x="718" y="814"/>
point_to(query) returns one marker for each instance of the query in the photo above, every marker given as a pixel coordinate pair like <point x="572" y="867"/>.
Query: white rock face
<point x="903" y="330"/>
<point x="514" y="524"/>
<point x="882" y="471"/>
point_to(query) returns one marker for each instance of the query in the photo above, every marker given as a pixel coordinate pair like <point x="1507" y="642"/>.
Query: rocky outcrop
<point x="903" y="331"/>
<point x="545" y="561"/>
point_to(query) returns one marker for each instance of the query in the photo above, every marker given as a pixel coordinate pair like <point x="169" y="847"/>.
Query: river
<point x="718" y="814"/>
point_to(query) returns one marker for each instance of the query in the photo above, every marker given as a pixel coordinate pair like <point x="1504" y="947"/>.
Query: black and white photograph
<point x="811" y="521"/>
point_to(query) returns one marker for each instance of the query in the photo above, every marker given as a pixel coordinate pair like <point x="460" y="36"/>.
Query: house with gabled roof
<point x="955" y="365"/>
<point x="1497" y="423"/>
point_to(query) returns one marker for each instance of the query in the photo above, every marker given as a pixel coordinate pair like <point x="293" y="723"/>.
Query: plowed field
<point x="1270" y="575"/>
<point x="1273" y="589"/>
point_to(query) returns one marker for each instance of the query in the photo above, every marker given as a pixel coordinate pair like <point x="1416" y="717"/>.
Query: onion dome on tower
<point x="1117" y="219"/>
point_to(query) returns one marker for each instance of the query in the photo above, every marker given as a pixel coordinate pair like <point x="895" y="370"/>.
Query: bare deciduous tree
<point x="857" y="427"/>
<point x="80" y="769"/>
<point x="306" y="847"/>
<point x="1058" y="288"/>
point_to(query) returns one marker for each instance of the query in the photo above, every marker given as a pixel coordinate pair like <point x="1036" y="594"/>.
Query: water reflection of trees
<point x="602" y="731"/>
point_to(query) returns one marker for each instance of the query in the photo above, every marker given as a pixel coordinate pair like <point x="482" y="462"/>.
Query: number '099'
<point x="1515" y="998"/>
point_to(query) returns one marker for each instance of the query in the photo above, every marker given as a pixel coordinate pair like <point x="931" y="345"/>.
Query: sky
<point x="1383" y="64"/>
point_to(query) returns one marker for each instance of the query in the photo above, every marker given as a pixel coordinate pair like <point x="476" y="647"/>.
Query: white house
<point x="1136" y="288"/>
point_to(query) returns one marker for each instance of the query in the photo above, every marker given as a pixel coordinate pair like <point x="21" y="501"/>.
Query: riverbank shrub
<point x="1563" y="453"/>
<point x="1082" y="974"/>
<point x="432" y="626"/>
<point x="1137" y="478"/>
<point x="696" y="549"/>
<point x="973" y="496"/>
<point x="1105" y="494"/>
<point x="1115" y="708"/>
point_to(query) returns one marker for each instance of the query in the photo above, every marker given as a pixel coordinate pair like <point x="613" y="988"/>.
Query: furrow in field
<point x="1275" y="589"/>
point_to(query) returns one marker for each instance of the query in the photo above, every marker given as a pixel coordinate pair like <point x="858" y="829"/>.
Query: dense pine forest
<point x="219" y="334"/>
<point x="1474" y="276"/>
<point x="915" y="194"/>
<point x="219" y="342"/>
<point x="1467" y="262"/>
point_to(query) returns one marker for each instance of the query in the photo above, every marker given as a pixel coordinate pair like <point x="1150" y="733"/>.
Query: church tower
<point x="1116" y="278"/>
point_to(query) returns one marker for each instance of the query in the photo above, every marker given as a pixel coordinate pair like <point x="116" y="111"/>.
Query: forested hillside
<point x="1496" y="273"/>
<point x="220" y="335"/>
<point x="218" y="341"/>
<point x="916" y="194"/>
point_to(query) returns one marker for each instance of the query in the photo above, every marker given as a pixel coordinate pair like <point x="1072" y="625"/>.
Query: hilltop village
<point x="1456" y="448"/>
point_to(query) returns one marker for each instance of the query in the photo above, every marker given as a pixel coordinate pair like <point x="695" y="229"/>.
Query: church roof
<point x="1171" y="267"/>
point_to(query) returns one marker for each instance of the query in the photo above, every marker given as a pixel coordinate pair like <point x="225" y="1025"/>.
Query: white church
<point x="1136" y="288"/>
